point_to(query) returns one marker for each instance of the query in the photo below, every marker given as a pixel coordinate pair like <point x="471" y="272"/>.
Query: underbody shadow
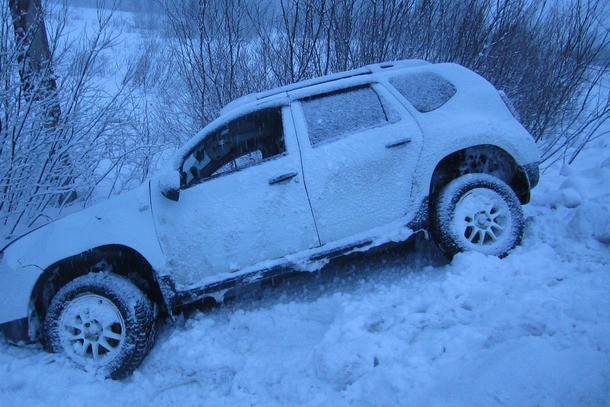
<point x="378" y="266"/>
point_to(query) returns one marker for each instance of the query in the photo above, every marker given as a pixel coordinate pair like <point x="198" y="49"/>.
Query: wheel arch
<point x="119" y="259"/>
<point x="483" y="158"/>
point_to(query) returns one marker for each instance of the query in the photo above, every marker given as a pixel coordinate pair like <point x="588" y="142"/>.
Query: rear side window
<point x="334" y="115"/>
<point x="426" y="91"/>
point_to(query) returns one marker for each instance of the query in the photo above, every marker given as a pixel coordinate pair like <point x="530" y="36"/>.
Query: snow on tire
<point x="102" y="322"/>
<point x="477" y="212"/>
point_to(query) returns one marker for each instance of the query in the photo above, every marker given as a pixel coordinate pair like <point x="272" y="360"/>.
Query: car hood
<point x="124" y="220"/>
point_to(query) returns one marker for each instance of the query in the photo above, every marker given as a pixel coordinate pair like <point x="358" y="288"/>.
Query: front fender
<point x="16" y="287"/>
<point x="125" y="220"/>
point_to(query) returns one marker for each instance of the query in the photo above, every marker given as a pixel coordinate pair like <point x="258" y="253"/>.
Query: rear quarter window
<point x="426" y="91"/>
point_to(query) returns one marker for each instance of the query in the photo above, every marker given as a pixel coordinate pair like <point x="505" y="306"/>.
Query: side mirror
<point x="169" y="184"/>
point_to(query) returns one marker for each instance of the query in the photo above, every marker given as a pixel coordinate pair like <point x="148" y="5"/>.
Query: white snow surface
<point x="400" y="327"/>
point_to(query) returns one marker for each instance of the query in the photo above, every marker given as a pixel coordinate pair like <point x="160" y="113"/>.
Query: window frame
<point x="391" y="114"/>
<point x="413" y="99"/>
<point x="277" y="109"/>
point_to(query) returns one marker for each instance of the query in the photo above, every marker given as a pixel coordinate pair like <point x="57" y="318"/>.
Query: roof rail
<point x="390" y="65"/>
<point x="293" y="86"/>
<point x="365" y="70"/>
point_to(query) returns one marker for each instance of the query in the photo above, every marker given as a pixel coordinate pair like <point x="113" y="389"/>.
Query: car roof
<point x="283" y="90"/>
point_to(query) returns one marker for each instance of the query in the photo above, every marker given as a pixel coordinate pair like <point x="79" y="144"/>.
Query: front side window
<point x="426" y="91"/>
<point x="336" y="114"/>
<point x="241" y="143"/>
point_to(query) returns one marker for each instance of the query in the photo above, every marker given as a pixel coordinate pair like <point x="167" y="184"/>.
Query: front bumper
<point x="16" y="286"/>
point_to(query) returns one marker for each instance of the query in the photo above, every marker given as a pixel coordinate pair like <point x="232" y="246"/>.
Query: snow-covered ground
<point x="400" y="327"/>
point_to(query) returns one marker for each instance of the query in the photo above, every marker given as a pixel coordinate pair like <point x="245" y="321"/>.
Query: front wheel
<point x="477" y="212"/>
<point x="101" y="321"/>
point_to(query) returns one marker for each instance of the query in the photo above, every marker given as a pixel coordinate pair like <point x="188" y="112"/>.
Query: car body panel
<point x="15" y="298"/>
<point x="475" y="115"/>
<point x="361" y="180"/>
<point x="125" y="220"/>
<point x="235" y="220"/>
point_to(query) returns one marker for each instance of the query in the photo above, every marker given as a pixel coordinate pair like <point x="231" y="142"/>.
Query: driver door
<point x="242" y="200"/>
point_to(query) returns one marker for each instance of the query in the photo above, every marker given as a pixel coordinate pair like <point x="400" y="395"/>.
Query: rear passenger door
<point x="359" y="149"/>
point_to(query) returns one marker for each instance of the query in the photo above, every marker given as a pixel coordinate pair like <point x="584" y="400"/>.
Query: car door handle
<point x="398" y="143"/>
<point x="282" y="178"/>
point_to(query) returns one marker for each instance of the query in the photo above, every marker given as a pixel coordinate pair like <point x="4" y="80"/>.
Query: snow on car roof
<point x="365" y="70"/>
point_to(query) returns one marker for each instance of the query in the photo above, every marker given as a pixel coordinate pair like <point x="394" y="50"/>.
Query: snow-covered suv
<point x="284" y="179"/>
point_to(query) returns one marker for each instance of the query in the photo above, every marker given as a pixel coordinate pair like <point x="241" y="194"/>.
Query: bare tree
<point x="35" y="176"/>
<point x="208" y="42"/>
<point x="543" y="54"/>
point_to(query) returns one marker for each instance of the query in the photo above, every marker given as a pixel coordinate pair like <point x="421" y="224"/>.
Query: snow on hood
<point x="126" y="219"/>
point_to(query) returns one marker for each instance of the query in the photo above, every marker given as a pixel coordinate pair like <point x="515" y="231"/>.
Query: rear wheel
<point x="477" y="212"/>
<point x="101" y="321"/>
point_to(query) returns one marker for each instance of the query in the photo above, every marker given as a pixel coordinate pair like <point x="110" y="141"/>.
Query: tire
<point x="102" y="322"/>
<point x="477" y="212"/>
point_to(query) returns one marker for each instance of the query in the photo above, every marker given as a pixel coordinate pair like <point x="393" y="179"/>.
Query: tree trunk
<point x="35" y="65"/>
<point x="38" y="80"/>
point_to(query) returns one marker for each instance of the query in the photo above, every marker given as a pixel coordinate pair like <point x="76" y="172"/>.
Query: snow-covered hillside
<point x="400" y="327"/>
